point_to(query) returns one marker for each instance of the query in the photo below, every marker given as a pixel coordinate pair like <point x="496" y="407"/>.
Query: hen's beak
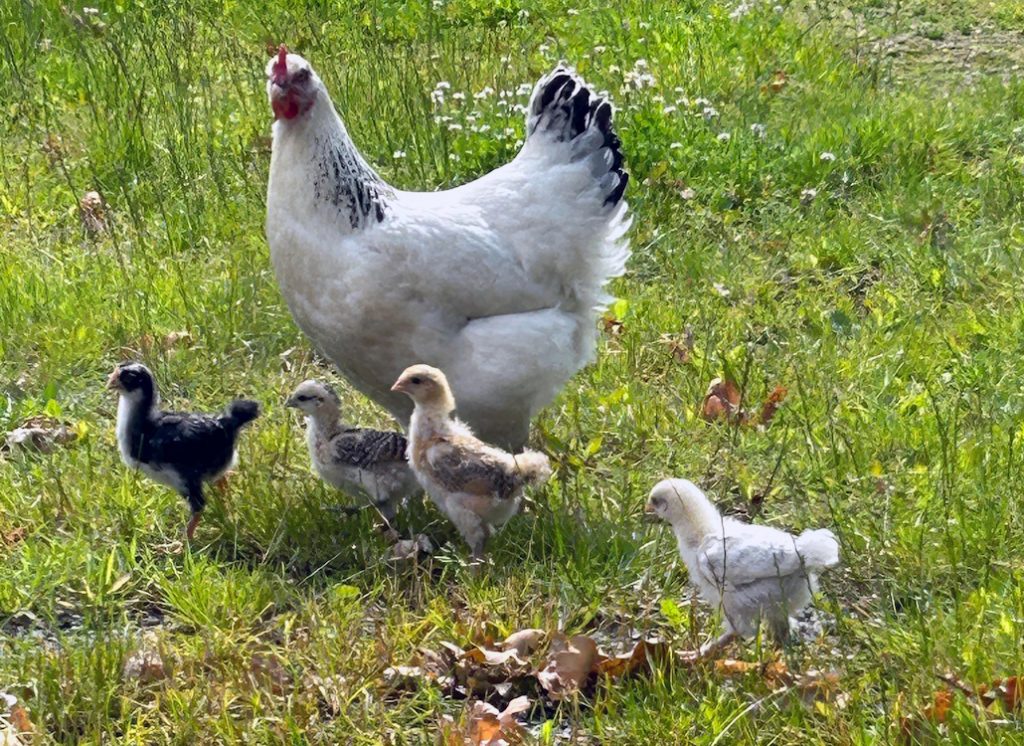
<point x="114" y="381"/>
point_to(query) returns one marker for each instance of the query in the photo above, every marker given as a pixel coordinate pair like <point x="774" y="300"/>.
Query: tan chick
<point x="477" y="486"/>
<point x="370" y="464"/>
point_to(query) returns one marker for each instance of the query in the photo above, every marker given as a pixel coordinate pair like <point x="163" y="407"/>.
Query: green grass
<point x="890" y="305"/>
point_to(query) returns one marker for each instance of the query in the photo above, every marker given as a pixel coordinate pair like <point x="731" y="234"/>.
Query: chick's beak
<point x="114" y="381"/>
<point x="399" y="386"/>
<point x="649" y="515"/>
<point x="291" y="402"/>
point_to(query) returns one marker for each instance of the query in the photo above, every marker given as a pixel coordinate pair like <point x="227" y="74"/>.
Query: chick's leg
<point x="196" y="502"/>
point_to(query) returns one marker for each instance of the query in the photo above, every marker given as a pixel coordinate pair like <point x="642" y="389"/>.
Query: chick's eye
<point x="416" y="380"/>
<point x="659" y="503"/>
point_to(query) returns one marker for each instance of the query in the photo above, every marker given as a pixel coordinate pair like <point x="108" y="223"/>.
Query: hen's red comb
<point x="281" y="66"/>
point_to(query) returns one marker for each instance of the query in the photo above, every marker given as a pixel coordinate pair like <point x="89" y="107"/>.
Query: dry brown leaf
<point x="524" y="642"/>
<point x="569" y="665"/>
<point x="172" y="340"/>
<point x="936" y="712"/>
<point x="721" y="401"/>
<point x="410" y="550"/>
<point x="641" y="657"/>
<point x="612" y="326"/>
<point x="91" y="210"/>
<point x="145" y="666"/>
<point x="490" y="727"/>
<point x="14" y="536"/>
<point x="41" y="433"/>
<point x="681" y="347"/>
<point x="778" y="81"/>
<point x="20" y="720"/>
<point x="772" y="403"/>
<point x="731" y="667"/>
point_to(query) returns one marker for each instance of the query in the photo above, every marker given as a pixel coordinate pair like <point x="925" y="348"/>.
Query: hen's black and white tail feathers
<point x="241" y="412"/>
<point x="564" y="108"/>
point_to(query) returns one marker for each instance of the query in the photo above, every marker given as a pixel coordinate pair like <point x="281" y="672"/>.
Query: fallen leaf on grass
<point x="41" y="433"/>
<point x="777" y="83"/>
<point x="613" y="327"/>
<point x="524" y="642"/>
<point x="14" y="536"/>
<point x="145" y="665"/>
<point x="489" y="726"/>
<point x="14" y="721"/>
<point x="681" y="347"/>
<point x="642" y="657"/>
<point x="721" y="401"/>
<point x="409" y="550"/>
<point x="92" y="212"/>
<point x="569" y="665"/>
<point x="772" y="404"/>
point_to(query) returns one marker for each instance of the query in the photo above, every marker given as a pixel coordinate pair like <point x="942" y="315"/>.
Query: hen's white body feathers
<point x="497" y="282"/>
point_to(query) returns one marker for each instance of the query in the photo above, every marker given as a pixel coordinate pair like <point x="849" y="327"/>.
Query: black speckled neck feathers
<point x="344" y="180"/>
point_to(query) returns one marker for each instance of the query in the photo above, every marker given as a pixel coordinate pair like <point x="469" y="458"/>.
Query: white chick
<point x="368" y="463"/>
<point x="477" y="486"/>
<point x="752" y="573"/>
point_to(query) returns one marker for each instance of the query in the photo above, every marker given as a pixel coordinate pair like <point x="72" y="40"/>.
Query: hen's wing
<point x="473" y="469"/>
<point x="366" y="449"/>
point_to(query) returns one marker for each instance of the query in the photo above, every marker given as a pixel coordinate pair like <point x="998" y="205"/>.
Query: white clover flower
<point x="454" y="157"/>
<point x="458" y="96"/>
<point x="398" y="154"/>
<point x="90" y="11"/>
<point x="741" y="10"/>
<point x="759" y="131"/>
<point x="779" y="9"/>
<point x="508" y="131"/>
<point x="687" y="193"/>
<point x="599" y="49"/>
<point x="675" y="146"/>
<point x="505" y="94"/>
<point x="827" y="156"/>
<point x="454" y="127"/>
<point x="709" y="113"/>
<point x="524" y="89"/>
<point x="437" y="96"/>
<point x="442" y="85"/>
<point x="807" y="195"/>
<point x="480" y="95"/>
<point x="572" y="12"/>
<point x="723" y="137"/>
<point x="669" y="110"/>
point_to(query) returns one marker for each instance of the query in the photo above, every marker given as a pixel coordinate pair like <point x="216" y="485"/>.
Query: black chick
<point x="180" y="449"/>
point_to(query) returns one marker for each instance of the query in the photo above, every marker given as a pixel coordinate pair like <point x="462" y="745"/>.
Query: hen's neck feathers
<point x="341" y="179"/>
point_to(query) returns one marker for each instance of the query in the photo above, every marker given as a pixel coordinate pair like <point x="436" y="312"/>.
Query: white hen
<point x="751" y="572"/>
<point x="498" y="282"/>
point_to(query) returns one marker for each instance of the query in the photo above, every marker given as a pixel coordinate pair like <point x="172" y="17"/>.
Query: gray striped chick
<point x="369" y="463"/>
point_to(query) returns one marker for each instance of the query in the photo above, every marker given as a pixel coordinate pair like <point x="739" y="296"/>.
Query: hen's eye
<point x="416" y="380"/>
<point x="301" y="76"/>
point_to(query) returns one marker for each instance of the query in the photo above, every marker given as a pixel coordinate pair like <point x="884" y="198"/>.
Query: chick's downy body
<point x="477" y="486"/>
<point x="752" y="573"/>
<point x="182" y="450"/>
<point x="370" y="464"/>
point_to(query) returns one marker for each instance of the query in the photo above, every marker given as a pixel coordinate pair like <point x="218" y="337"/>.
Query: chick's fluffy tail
<point x="533" y="466"/>
<point x="818" y="548"/>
